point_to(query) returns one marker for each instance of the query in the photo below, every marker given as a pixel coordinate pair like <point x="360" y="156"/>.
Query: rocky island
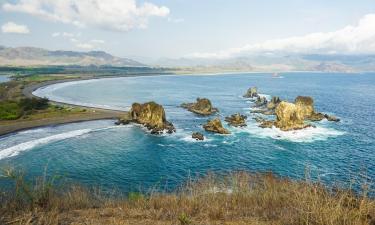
<point x="236" y="120"/>
<point x="197" y="136"/>
<point x="151" y="115"/>
<point x="251" y="93"/>
<point x="215" y="126"/>
<point x="294" y="116"/>
<point x="203" y="107"/>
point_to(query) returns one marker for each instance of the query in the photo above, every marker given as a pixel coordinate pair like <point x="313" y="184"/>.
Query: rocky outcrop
<point x="251" y="93"/>
<point x="203" y="106"/>
<point x="236" y="120"/>
<point x="275" y="101"/>
<point x="290" y="116"/>
<point x="306" y="105"/>
<point x="261" y="101"/>
<point x="150" y="115"/>
<point x="215" y="126"/>
<point x="331" y="118"/>
<point x="197" y="136"/>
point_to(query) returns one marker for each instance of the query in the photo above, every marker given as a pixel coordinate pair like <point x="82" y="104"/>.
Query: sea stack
<point x="215" y="126"/>
<point x="236" y="120"/>
<point x="290" y="117"/>
<point x="251" y="93"/>
<point x="151" y="115"/>
<point x="203" y="107"/>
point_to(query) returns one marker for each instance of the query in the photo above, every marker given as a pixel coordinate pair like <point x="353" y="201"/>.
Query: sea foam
<point x="15" y="150"/>
<point x="310" y="134"/>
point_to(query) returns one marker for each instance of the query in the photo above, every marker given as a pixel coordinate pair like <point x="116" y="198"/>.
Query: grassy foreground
<point x="239" y="198"/>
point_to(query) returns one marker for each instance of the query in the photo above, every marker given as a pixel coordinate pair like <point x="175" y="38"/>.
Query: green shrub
<point x="10" y="111"/>
<point x="29" y="104"/>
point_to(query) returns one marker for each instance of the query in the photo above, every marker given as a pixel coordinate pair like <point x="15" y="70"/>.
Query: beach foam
<point x="15" y="150"/>
<point x="18" y="148"/>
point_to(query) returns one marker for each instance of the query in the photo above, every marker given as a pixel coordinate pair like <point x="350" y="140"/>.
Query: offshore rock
<point x="251" y="93"/>
<point x="306" y="105"/>
<point x="151" y="115"/>
<point x="261" y="101"/>
<point x="197" y="136"/>
<point x="203" y="107"/>
<point x="215" y="126"/>
<point x="290" y="117"/>
<point x="275" y="101"/>
<point x="267" y="124"/>
<point x="331" y="118"/>
<point x="236" y="120"/>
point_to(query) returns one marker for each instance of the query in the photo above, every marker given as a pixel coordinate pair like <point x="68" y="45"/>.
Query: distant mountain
<point x="278" y="63"/>
<point x="30" y="56"/>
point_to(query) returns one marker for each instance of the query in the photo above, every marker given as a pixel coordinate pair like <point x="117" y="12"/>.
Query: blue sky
<point x="196" y="28"/>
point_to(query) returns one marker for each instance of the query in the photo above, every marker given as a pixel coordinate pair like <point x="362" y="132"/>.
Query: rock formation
<point x="331" y="118"/>
<point x="197" y="136"/>
<point x="215" y="126"/>
<point x="275" y="101"/>
<point x="151" y="115"/>
<point x="236" y="120"/>
<point x="251" y="93"/>
<point x="290" y="116"/>
<point x="261" y="101"/>
<point x="306" y="105"/>
<point x="203" y="106"/>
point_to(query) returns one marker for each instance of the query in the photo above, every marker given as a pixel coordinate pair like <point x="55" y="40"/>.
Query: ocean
<point x="130" y="159"/>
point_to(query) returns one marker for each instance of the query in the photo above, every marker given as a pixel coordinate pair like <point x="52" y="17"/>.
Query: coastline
<point x="87" y="114"/>
<point x="90" y="114"/>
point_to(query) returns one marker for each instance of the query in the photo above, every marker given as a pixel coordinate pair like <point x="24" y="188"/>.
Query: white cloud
<point x="14" y="28"/>
<point x="85" y="46"/>
<point x="120" y="15"/>
<point x="351" y="39"/>
<point x="97" y="41"/>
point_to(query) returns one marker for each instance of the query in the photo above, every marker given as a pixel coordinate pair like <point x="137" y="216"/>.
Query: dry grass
<point x="236" y="199"/>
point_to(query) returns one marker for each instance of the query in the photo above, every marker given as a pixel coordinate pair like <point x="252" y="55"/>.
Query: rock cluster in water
<point x="197" y="136"/>
<point x="203" y="107"/>
<point x="290" y="116"/>
<point x="236" y="120"/>
<point x="151" y="115"/>
<point x="215" y="126"/>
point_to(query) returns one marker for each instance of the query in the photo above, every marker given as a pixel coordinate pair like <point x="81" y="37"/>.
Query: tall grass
<point x="239" y="198"/>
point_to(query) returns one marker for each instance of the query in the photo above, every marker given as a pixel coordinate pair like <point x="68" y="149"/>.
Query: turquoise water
<point x="3" y="78"/>
<point x="129" y="158"/>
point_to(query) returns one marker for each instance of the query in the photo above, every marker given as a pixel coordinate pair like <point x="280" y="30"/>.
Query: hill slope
<point x="30" y="56"/>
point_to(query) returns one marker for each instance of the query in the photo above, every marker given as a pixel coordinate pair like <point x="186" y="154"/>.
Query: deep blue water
<point x="129" y="158"/>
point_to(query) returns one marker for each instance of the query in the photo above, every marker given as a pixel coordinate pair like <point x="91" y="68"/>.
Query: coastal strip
<point x="83" y="114"/>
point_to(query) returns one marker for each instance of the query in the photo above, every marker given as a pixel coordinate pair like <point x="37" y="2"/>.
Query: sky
<point x="190" y="28"/>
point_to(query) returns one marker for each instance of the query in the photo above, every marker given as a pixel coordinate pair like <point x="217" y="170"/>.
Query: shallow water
<point x="129" y="158"/>
<point x="3" y="78"/>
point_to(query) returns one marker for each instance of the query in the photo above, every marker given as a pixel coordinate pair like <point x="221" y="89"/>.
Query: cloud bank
<point x="118" y="15"/>
<point x="357" y="39"/>
<point x="13" y="28"/>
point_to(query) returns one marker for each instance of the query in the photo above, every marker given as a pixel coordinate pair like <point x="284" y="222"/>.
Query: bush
<point x="10" y="111"/>
<point x="29" y="104"/>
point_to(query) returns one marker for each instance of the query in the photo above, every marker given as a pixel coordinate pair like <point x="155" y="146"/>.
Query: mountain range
<point x="30" y="56"/>
<point x="266" y="62"/>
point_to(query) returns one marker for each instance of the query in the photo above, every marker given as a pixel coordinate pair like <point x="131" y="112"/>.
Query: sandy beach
<point x="86" y="113"/>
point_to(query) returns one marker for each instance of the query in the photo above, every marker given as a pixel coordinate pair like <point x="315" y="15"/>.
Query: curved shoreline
<point x="90" y="113"/>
